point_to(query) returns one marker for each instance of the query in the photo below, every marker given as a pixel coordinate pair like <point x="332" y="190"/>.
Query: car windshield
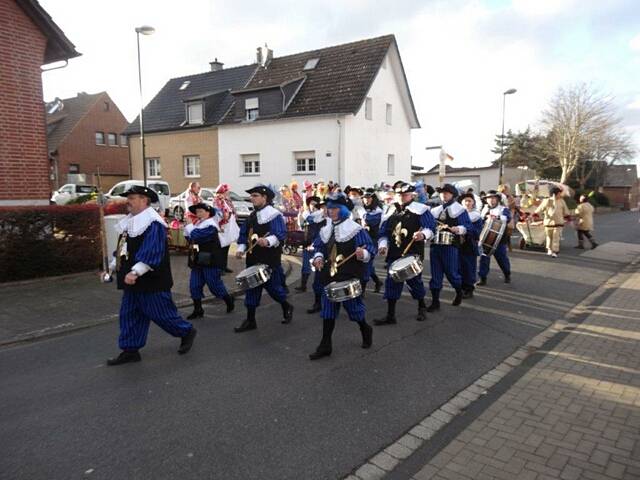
<point x="236" y="198"/>
<point x="160" y="188"/>
<point x="86" y="189"/>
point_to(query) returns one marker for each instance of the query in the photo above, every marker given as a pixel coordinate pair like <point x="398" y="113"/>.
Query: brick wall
<point x="24" y="165"/>
<point x="79" y="147"/>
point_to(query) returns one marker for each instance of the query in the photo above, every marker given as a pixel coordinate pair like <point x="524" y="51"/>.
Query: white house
<point x="479" y="178"/>
<point x="341" y="113"/>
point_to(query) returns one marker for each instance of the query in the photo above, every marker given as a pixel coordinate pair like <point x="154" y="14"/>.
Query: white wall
<point x="276" y="141"/>
<point x="484" y="179"/>
<point x="368" y="142"/>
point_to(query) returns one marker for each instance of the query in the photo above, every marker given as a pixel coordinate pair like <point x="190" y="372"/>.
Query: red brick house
<point x="29" y="39"/>
<point x="622" y="186"/>
<point x="85" y="141"/>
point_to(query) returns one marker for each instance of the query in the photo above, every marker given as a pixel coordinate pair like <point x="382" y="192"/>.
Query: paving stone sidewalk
<point x="574" y="415"/>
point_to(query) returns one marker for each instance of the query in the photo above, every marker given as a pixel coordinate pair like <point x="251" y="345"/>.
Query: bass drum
<point x="491" y="235"/>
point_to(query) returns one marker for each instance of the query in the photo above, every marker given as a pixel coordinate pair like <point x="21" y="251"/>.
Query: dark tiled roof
<point x="338" y="83"/>
<point x="621" y="176"/>
<point x="60" y="123"/>
<point x="167" y="109"/>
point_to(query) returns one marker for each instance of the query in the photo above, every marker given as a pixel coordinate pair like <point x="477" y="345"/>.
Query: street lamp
<point x="504" y="97"/>
<point x="144" y="30"/>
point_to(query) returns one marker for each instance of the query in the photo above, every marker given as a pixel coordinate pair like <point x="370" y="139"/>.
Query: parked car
<point x="178" y="207"/>
<point x="242" y="205"/>
<point x="159" y="186"/>
<point x="71" y="191"/>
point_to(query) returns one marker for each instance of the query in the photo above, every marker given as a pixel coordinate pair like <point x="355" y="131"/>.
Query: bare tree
<point x="583" y="127"/>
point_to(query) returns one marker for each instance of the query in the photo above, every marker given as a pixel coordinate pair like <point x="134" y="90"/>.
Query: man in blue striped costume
<point x="207" y="256"/>
<point x="494" y="209"/>
<point x="143" y="272"/>
<point x="338" y="239"/>
<point x="470" y="250"/>
<point x="265" y="229"/>
<point x="313" y="219"/>
<point x="444" y="259"/>
<point x="371" y="223"/>
<point x="412" y="223"/>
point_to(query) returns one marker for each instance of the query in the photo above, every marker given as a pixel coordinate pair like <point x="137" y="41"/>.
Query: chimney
<point x="264" y="55"/>
<point x="216" y="66"/>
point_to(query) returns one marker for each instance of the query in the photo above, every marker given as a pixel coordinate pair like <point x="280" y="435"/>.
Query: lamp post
<point x="504" y="98"/>
<point x="144" y="30"/>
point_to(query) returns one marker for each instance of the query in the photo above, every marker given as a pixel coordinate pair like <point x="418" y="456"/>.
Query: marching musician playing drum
<point x="444" y="258"/>
<point x="207" y="255"/>
<point x="314" y="219"/>
<point x="341" y="252"/>
<point x="470" y="249"/>
<point x="494" y="209"/>
<point x="261" y="238"/>
<point x="371" y="223"/>
<point x="405" y="233"/>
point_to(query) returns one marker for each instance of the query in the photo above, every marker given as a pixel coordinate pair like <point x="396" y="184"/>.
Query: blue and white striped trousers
<point x="369" y="269"/>
<point x="306" y="261"/>
<point x="444" y="261"/>
<point x="355" y="308"/>
<point x="501" y="257"/>
<point x="469" y="269"/>
<point x="211" y="276"/>
<point x="393" y="290"/>
<point x="274" y="287"/>
<point x="138" y="309"/>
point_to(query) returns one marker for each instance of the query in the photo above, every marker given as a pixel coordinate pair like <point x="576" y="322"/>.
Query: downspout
<point x="339" y="179"/>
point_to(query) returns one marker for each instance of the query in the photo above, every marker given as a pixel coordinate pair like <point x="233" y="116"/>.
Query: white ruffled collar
<point x="454" y="210"/>
<point x="497" y="210"/>
<point x="344" y="231"/>
<point x="266" y="214"/>
<point x="417" y="208"/>
<point x="209" y="222"/>
<point x="135" y="225"/>
<point x="474" y="216"/>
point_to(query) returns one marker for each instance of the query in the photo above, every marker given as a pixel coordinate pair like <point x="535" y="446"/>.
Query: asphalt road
<point x="253" y="406"/>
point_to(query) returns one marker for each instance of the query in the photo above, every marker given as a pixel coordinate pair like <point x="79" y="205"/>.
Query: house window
<point x="305" y="162"/>
<point x="194" y="113"/>
<point x="112" y="138"/>
<point x="184" y="85"/>
<point x="191" y="166"/>
<point x="153" y="167"/>
<point x="74" y="168"/>
<point x="251" y="164"/>
<point x="391" y="164"/>
<point x="124" y="141"/>
<point x="389" y="114"/>
<point x="311" y="64"/>
<point x="368" y="108"/>
<point x="99" y="138"/>
<point x="251" y="108"/>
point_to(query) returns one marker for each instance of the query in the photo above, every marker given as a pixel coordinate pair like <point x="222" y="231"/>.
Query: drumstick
<point x="341" y="262"/>
<point x="406" y="249"/>
<point x="253" y="244"/>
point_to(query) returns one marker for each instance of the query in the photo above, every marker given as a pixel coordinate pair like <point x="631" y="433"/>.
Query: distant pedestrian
<point x="584" y="214"/>
<point x="554" y="210"/>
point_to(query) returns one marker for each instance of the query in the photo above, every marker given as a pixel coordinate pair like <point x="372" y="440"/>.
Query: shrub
<point x="41" y="241"/>
<point x="113" y="208"/>
<point x="601" y="199"/>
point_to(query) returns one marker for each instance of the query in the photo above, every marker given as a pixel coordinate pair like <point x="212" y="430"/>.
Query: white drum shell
<point x="405" y="268"/>
<point x="342" y="291"/>
<point x="253" y="276"/>
<point x="443" y="237"/>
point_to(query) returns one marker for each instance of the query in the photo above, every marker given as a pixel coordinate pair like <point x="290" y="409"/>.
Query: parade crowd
<point x="341" y="231"/>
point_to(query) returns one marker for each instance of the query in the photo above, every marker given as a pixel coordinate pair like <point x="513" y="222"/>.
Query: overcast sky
<point x="459" y="55"/>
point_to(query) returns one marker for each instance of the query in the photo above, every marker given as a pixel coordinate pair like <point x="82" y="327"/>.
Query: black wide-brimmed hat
<point x="313" y="198"/>
<point x="334" y="200"/>
<point x="493" y="193"/>
<point x="404" y="187"/>
<point x="447" y="187"/>
<point x="467" y="195"/>
<point x="369" y="192"/>
<point x="203" y="206"/>
<point x="140" y="190"/>
<point x="262" y="190"/>
<point x="555" y="190"/>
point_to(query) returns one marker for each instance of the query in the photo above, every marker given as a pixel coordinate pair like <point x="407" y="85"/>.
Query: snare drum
<point x="491" y="235"/>
<point x="444" y="237"/>
<point x="405" y="268"/>
<point x="253" y="276"/>
<point x="345" y="290"/>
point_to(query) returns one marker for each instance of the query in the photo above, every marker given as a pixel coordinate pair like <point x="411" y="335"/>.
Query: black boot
<point x="126" y="356"/>
<point x="467" y="291"/>
<point x="483" y="281"/>
<point x="287" y="312"/>
<point x="198" y="311"/>
<point x="435" y="301"/>
<point x="367" y="334"/>
<point x="230" y="302"/>
<point x="390" y="318"/>
<point x="422" y="311"/>
<point x="316" y="307"/>
<point x="378" y="283"/>
<point x="364" y="289"/>
<point x="249" y="323"/>
<point x="303" y="283"/>
<point x="324" y="349"/>
<point x="507" y="278"/>
<point x="458" y="300"/>
<point x="187" y="341"/>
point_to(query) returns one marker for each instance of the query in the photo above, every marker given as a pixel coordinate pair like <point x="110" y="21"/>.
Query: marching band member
<point x="411" y="222"/>
<point x="444" y="259"/>
<point x="372" y="220"/>
<point x="470" y="250"/>
<point x="261" y="238"/>
<point x="143" y="272"/>
<point x="207" y="254"/>
<point x="390" y="205"/>
<point x="318" y="288"/>
<point x="311" y="221"/>
<point x="340" y="238"/>
<point x="493" y="209"/>
<point x="355" y="197"/>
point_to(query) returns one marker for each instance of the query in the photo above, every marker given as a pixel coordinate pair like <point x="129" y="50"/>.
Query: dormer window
<point x="311" y="63"/>
<point x="184" y="85"/>
<point x="251" y="108"/>
<point x="195" y="113"/>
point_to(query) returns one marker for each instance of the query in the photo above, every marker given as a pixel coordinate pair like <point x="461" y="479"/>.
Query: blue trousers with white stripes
<point x="211" y="276"/>
<point x="370" y="268"/>
<point x="306" y="261"/>
<point x="469" y="270"/>
<point x="355" y="308"/>
<point x="138" y="309"/>
<point x="444" y="261"/>
<point x="393" y="290"/>
<point x="274" y="287"/>
<point x="501" y="257"/>
<point x="318" y="288"/>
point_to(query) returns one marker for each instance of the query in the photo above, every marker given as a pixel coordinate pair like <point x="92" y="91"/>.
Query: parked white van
<point x="159" y="186"/>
